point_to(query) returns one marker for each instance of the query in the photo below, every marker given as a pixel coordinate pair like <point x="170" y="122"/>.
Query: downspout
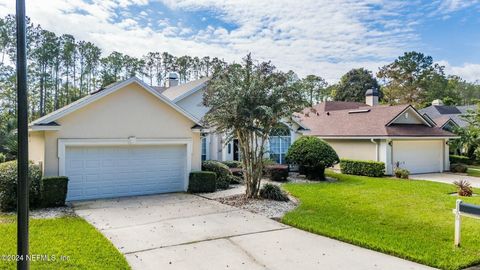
<point x="376" y="148"/>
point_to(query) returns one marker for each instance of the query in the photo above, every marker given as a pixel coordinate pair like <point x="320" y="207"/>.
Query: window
<point x="280" y="141"/>
<point x="204" y="148"/>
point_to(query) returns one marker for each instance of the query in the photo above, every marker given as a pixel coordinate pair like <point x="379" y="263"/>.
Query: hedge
<point x="461" y="159"/>
<point x="233" y="164"/>
<point x="362" y="167"/>
<point x="54" y="191"/>
<point x="277" y="172"/>
<point x="8" y="185"/>
<point x="202" y="182"/>
<point x="221" y="170"/>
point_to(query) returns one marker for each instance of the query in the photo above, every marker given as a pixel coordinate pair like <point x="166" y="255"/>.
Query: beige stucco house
<point x="133" y="139"/>
<point x="126" y="139"/>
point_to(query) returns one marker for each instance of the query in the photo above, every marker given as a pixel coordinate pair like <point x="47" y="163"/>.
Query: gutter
<point x="376" y="148"/>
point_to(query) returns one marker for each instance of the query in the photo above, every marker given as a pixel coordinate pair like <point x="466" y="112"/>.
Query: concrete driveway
<point x="448" y="178"/>
<point x="182" y="231"/>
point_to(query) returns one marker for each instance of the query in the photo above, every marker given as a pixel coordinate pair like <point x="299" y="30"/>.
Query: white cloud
<point x="310" y="36"/>
<point x="468" y="71"/>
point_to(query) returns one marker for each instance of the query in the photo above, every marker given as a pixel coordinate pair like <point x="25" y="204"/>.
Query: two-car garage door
<point x="422" y="156"/>
<point x="114" y="171"/>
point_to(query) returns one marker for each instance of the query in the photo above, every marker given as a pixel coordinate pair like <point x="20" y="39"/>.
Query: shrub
<point x="273" y="192"/>
<point x="277" y="172"/>
<point x="202" y="182"/>
<point x="401" y="173"/>
<point x="53" y="191"/>
<point x="2" y="158"/>
<point x="461" y="160"/>
<point x="313" y="155"/>
<point x="221" y="170"/>
<point x="362" y="167"/>
<point x="267" y="162"/>
<point x="8" y="185"/>
<point x="234" y="179"/>
<point x="464" y="188"/>
<point x="237" y="172"/>
<point x="233" y="164"/>
<point x="458" y="168"/>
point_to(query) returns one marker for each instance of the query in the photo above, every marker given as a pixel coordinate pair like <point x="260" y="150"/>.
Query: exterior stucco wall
<point x="130" y="111"/>
<point x="193" y="104"/>
<point x="36" y="145"/>
<point x="354" y="149"/>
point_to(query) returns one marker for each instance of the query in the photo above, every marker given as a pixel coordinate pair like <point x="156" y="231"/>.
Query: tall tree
<point x="354" y="84"/>
<point x="314" y="89"/>
<point x="410" y="78"/>
<point x="246" y="102"/>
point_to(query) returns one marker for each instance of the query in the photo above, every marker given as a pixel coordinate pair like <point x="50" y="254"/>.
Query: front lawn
<point x="406" y="218"/>
<point x="473" y="171"/>
<point x="70" y="237"/>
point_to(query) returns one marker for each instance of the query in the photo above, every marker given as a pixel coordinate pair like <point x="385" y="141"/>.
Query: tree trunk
<point x="252" y="162"/>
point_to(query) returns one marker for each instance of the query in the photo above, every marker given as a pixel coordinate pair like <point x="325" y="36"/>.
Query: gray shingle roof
<point x="453" y="112"/>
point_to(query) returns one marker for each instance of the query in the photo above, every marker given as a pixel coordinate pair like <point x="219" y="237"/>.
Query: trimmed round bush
<point x="362" y="167"/>
<point x="202" y="182"/>
<point x="313" y="155"/>
<point x="53" y="191"/>
<point x="273" y="192"/>
<point x="277" y="172"/>
<point x="8" y="185"/>
<point x="458" y="168"/>
<point x="221" y="170"/>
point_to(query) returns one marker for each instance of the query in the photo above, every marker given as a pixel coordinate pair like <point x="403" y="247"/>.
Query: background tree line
<point x="62" y="69"/>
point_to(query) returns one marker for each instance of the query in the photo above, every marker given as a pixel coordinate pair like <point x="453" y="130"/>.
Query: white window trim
<point x="64" y="143"/>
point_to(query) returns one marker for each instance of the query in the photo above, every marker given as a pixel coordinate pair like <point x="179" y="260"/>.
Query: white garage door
<point x="114" y="171"/>
<point x="419" y="156"/>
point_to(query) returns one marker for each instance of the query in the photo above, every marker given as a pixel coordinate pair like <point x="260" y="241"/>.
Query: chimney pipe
<point x="172" y="79"/>
<point x="371" y="97"/>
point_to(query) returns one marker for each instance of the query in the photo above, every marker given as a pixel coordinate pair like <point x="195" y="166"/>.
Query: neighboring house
<point x="126" y="139"/>
<point x="447" y="117"/>
<point x="390" y="134"/>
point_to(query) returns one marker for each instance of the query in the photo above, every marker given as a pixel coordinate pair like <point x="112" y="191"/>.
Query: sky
<point x="322" y="37"/>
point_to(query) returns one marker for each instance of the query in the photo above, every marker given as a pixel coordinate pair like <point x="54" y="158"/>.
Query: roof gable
<point x="102" y="93"/>
<point x="410" y="116"/>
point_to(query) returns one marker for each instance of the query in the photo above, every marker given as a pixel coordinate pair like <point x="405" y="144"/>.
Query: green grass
<point x="85" y="247"/>
<point x="473" y="171"/>
<point x="406" y="218"/>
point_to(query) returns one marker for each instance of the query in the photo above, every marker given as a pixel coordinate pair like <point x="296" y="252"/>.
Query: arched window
<point x="279" y="141"/>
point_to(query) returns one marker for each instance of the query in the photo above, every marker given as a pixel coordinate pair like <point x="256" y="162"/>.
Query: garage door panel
<point x="419" y="156"/>
<point x="113" y="171"/>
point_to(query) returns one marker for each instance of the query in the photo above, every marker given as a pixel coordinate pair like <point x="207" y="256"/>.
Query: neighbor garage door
<point x="419" y="156"/>
<point x="114" y="171"/>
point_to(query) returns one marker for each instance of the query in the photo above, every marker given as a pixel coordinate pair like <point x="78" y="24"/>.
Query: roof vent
<point x="359" y="111"/>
